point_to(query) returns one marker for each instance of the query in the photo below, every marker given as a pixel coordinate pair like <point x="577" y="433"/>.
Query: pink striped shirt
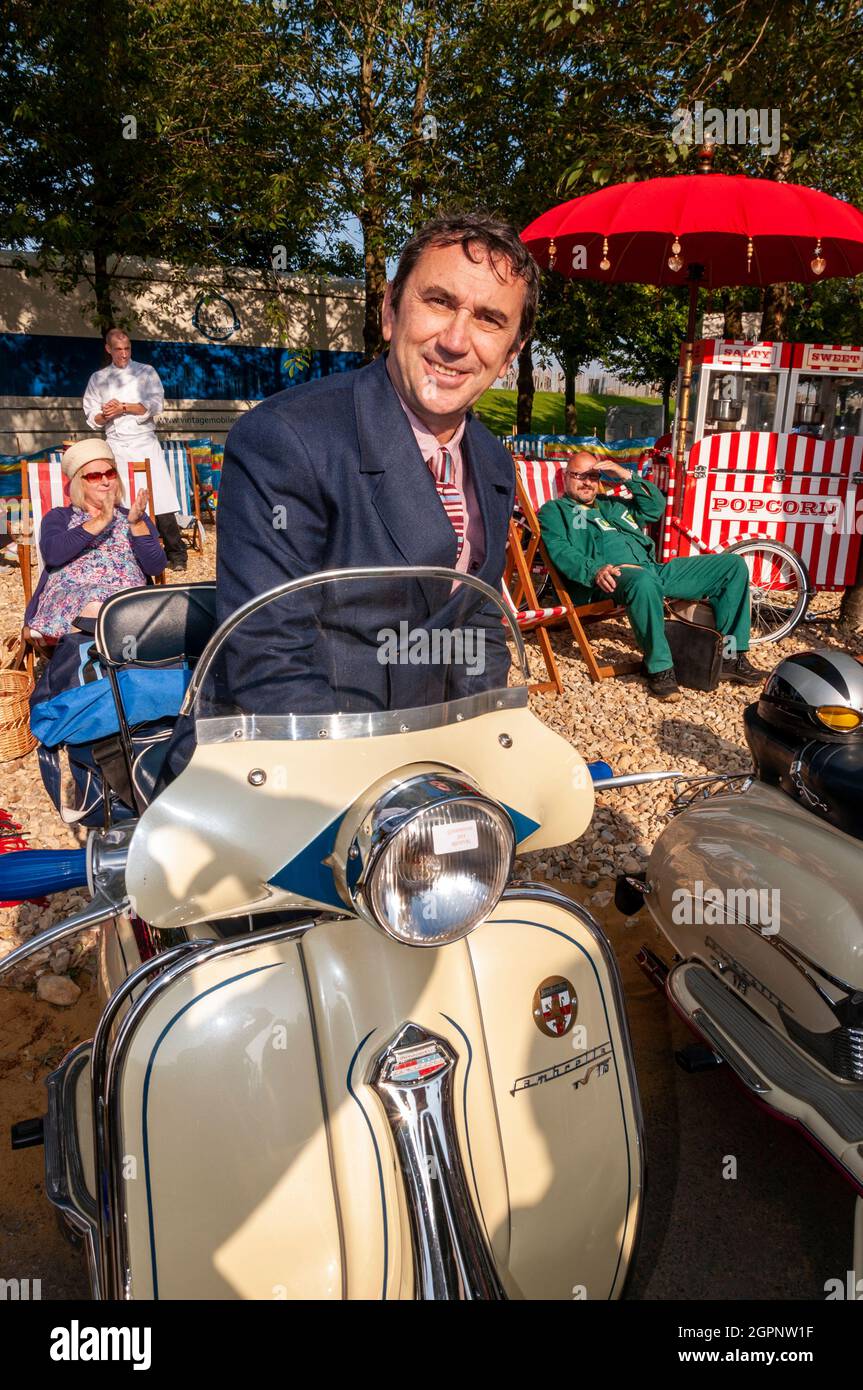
<point x="473" y="550"/>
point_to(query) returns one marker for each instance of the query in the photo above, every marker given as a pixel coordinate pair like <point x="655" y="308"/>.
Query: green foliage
<point x="648" y="327"/>
<point x="151" y="129"/>
<point x="831" y="312"/>
<point x="264" y="131"/>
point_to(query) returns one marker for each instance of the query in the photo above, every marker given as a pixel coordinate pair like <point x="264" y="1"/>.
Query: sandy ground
<point x="780" y="1229"/>
<point x="34" y="1037"/>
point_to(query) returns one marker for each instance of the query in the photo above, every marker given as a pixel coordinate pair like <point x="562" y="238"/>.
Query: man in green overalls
<point x="599" y="549"/>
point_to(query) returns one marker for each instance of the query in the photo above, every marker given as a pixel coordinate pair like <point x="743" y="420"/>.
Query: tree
<point x="367" y="67"/>
<point x="72" y="77"/>
<point x="790" y="67"/>
<point x="162" y="129"/>
<point x="649" y="326"/>
<point x="571" y="325"/>
<point x="505" y="127"/>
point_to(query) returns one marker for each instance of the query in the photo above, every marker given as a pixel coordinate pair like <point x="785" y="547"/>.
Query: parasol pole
<point x="706" y="156"/>
<point x="695" y="274"/>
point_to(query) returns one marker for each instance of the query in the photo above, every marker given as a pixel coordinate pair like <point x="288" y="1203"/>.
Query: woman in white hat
<point x="94" y="547"/>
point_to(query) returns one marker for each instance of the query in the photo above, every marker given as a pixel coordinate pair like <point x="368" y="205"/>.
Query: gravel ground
<point x="699" y="1234"/>
<point x="615" y="720"/>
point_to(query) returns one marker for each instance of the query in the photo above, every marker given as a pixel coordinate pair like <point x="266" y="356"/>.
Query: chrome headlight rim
<point x="424" y="782"/>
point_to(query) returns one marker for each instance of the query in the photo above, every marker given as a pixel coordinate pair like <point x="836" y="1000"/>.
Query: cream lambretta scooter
<point x="342" y="1053"/>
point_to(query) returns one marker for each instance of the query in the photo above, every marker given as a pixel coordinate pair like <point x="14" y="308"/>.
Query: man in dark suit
<point x="384" y="466"/>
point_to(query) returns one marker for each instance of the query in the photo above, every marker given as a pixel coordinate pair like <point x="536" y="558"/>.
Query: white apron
<point x="133" y="437"/>
<point x="147" y="446"/>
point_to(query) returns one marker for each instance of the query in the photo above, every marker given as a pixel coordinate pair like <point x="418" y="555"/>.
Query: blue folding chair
<point x="184" y="478"/>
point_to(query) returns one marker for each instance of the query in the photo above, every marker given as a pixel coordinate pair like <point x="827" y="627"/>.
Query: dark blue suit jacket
<point x="325" y="476"/>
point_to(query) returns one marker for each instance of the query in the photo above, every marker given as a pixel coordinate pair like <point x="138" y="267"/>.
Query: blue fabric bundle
<point x="87" y="712"/>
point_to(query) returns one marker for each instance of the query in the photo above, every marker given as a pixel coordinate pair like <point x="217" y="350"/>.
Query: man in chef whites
<point x="124" y="400"/>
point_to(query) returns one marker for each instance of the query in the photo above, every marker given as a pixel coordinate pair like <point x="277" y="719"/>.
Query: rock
<point x="60" y="961"/>
<point x="632" y="866"/>
<point x="631" y="922"/>
<point x="590" y="880"/>
<point x="57" y="989"/>
<point x="602" y="899"/>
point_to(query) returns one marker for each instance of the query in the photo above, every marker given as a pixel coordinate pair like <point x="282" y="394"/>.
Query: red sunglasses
<point x="94" y="477"/>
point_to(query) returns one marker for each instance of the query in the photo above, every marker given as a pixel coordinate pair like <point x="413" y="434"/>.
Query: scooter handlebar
<point x="33" y="873"/>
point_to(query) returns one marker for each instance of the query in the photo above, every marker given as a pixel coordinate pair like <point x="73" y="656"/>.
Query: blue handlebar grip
<point x="599" y="771"/>
<point x="33" y="873"/>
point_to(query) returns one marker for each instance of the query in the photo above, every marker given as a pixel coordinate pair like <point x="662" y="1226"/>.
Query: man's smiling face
<point x="455" y="332"/>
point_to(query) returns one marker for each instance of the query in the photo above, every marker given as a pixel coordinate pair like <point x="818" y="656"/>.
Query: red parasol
<point x="739" y="231"/>
<point x="701" y="229"/>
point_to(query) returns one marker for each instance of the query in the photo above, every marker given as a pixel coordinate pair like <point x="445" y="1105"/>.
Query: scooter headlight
<point x="429" y="859"/>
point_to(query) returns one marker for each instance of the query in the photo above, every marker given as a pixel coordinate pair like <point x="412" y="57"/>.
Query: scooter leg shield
<point x="342" y="1116"/>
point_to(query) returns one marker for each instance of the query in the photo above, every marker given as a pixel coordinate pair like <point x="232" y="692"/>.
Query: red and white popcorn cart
<point x="771" y="469"/>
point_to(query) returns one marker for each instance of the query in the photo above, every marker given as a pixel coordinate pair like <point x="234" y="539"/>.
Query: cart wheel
<point x="778" y="586"/>
<point x="545" y="591"/>
<point x="540" y="575"/>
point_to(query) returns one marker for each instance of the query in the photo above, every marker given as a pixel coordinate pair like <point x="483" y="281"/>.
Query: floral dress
<point x="93" y="576"/>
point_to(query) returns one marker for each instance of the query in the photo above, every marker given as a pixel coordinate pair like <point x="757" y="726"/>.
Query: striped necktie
<point x="443" y="472"/>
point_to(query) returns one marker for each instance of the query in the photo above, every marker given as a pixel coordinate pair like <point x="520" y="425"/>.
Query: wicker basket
<point x="16" y="687"/>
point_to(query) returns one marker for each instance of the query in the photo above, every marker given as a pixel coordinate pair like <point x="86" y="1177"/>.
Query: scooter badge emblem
<point x="408" y="1066"/>
<point x="555" y="1005"/>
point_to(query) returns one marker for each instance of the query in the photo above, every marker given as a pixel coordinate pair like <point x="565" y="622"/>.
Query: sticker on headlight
<point x="454" y="839"/>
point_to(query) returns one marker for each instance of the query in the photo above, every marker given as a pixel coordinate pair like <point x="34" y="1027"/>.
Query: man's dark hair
<point x="498" y="239"/>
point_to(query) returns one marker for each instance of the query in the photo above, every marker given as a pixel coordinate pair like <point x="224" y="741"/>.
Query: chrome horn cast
<point x="413" y="1076"/>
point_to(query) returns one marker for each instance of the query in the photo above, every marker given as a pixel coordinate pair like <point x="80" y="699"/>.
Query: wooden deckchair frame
<point x="524" y="592"/>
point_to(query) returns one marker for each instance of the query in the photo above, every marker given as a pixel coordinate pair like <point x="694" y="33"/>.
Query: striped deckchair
<point x="44" y="486"/>
<point x="185" y="481"/>
<point x="208" y="472"/>
<point x="536" y="620"/>
<point x="538" y="481"/>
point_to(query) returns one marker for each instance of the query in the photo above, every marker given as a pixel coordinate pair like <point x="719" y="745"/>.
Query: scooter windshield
<point x="345" y="653"/>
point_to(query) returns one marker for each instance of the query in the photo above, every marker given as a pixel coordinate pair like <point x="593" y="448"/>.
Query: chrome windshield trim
<point x="248" y="728"/>
<point x="309" y="581"/>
